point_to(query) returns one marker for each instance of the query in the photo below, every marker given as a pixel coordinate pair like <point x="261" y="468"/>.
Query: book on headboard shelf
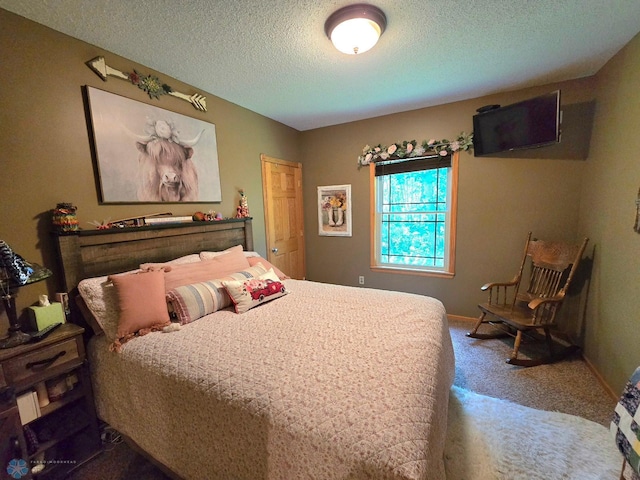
<point x="151" y="219"/>
<point x="154" y="219"/>
<point x="163" y="220"/>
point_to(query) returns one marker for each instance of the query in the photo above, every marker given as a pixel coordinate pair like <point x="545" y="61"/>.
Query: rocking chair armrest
<point x="537" y="302"/>
<point x="488" y="286"/>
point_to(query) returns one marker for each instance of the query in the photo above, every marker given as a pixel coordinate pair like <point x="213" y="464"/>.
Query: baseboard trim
<point x="605" y="385"/>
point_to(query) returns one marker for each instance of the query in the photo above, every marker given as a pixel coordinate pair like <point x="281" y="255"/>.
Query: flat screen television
<point x="529" y="124"/>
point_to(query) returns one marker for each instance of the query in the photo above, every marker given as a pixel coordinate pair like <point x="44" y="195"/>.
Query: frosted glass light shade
<point x="355" y="36"/>
<point x="356" y="28"/>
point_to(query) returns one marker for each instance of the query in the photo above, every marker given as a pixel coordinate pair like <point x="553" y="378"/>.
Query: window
<point x="414" y="206"/>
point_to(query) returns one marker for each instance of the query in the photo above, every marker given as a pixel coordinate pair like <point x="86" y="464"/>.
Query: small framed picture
<point x="334" y="210"/>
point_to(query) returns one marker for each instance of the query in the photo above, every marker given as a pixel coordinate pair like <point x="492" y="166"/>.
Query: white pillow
<point x="206" y="255"/>
<point x="192" y="257"/>
<point x="101" y="298"/>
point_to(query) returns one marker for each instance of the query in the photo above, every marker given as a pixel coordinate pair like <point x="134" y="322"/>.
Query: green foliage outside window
<point x="413" y="210"/>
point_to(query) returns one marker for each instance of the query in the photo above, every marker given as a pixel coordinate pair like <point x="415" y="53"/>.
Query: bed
<point x="323" y="382"/>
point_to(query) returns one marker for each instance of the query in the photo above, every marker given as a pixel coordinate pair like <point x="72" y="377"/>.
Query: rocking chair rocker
<point x="553" y="265"/>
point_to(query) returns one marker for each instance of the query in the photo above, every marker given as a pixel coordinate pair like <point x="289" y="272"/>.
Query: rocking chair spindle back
<point x="552" y="267"/>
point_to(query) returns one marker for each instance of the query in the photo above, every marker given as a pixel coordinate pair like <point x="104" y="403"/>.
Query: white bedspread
<point x="328" y="382"/>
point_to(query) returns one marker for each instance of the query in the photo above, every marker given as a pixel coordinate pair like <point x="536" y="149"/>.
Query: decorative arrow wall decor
<point x="149" y="83"/>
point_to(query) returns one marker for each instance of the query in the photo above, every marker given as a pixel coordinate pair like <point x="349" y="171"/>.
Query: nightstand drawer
<point x="34" y="366"/>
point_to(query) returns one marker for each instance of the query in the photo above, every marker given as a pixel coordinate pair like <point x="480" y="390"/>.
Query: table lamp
<point x="15" y="272"/>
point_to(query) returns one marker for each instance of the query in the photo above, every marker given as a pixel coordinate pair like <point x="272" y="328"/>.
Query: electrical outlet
<point x="361" y="279"/>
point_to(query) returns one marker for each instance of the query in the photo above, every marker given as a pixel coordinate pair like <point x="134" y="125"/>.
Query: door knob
<point x="274" y="250"/>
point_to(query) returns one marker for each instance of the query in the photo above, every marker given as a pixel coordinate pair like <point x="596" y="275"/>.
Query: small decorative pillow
<point x="101" y="299"/>
<point x="142" y="305"/>
<point x="190" y="302"/>
<point x="246" y="294"/>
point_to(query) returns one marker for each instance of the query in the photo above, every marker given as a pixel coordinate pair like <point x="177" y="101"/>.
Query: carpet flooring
<point x="493" y="439"/>
<point x="567" y="387"/>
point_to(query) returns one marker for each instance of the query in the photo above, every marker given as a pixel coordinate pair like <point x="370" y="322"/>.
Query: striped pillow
<point x="191" y="302"/>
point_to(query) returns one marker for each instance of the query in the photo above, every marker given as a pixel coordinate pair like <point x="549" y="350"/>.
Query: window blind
<point x="405" y="165"/>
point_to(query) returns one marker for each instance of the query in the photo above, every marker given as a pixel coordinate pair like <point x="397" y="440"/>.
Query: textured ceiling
<point x="272" y="56"/>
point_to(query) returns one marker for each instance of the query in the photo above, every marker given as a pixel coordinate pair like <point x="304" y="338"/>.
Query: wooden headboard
<point x="94" y="253"/>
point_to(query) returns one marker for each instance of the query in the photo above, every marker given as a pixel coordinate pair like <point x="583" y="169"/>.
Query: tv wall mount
<point x="487" y="108"/>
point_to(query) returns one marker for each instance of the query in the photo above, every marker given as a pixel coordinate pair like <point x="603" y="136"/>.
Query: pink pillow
<point x="192" y="258"/>
<point x="252" y="257"/>
<point x="209" y="255"/>
<point x="217" y="267"/>
<point x="254" y="260"/>
<point x="142" y="305"/>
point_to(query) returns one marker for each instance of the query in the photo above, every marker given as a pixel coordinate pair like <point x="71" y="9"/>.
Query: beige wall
<point x="46" y="156"/>
<point x="607" y="214"/>
<point x="500" y="199"/>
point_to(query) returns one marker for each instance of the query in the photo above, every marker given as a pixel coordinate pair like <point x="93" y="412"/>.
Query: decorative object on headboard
<point x="163" y="218"/>
<point x="148" y="154"/>
<point x="243" y="206"/>
<point x="64" y="217"/>
<point x="636" y="226"/>
<point x="411" y="149"/>
<point x="149" y="83"/>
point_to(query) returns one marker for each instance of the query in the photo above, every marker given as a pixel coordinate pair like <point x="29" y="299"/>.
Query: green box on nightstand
<point x="42" y="317"/>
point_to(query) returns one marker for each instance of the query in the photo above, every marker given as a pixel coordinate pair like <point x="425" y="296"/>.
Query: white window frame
<point x="451" y="226"/>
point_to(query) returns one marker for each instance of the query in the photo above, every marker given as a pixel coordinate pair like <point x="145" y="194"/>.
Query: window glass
<point x="414" y="216"/>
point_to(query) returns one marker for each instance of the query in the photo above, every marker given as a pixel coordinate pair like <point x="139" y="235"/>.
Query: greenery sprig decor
<point x="150" y="84"/>
<point x="409" y="149"/>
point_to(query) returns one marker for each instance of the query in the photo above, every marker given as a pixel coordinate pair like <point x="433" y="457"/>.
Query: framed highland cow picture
<point x="146" y="154"/>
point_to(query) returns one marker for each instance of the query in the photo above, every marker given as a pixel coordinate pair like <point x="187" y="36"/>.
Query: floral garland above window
<point x="408" y="149"/>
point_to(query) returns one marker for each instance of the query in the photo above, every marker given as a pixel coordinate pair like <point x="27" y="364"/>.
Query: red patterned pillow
<point x="249" y="293"/>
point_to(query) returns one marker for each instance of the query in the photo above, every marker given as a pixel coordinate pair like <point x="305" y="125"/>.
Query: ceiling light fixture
<point x="356" y="28"/>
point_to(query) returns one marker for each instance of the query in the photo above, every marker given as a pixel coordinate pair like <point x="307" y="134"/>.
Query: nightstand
<point x="65" y="434"/>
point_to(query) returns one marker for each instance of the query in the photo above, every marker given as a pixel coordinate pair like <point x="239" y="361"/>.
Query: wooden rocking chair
<point x="553" y="265"/>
